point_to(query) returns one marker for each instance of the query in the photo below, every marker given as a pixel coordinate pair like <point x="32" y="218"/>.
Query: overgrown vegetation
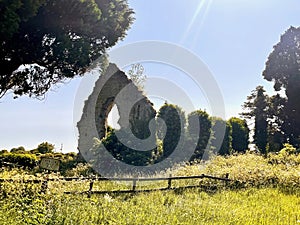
<point x="265" y="187"/>
<point x="29" y="159"/>
<point x="193" y="135"/>
<point x="268" y="193"/>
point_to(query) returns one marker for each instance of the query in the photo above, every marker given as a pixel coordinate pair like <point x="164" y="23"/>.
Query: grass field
<point x="269" y="194"/>
<point x="248" y="206"/>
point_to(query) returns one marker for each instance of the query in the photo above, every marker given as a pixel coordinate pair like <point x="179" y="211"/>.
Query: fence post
<point x="134" y="184"/>
<point x="91" y="187"/>
<point x="170" y="181"/>
<point x="227" y="175"/>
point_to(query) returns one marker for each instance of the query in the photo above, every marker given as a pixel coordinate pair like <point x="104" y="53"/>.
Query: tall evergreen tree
<point x="276" y="135"/>
<point x="257" y="108"/>
<point x="283" y="68"/>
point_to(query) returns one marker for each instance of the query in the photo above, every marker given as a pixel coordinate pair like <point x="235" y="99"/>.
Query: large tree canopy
<point x="283" y="68"/>
<point x="44" y="42"/>
<point x="283" y="64"/>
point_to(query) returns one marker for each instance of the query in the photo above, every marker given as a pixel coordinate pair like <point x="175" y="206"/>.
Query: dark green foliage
<point x="282" y="67"/>
<point x="171" y="130"/>
<point x="3" y="151"/>
<point x="199" y="130"/>
<point x="141" y="118"/>
<point x="55" y="39"/>
<point x="20" y="149"/>
<point x="18" y="160"/>
<point x="45" y="147"/>
<point x="261" y="124"/>
<point x="15" y="12"/>
<point x="218" y="125"/>
<point x="19" y="157"/>
<point x="240" y="134"/>
<point x="257" y="110"/>
<point x="261" y="135"/>
<point x="122" y="152"/>
<point x="171" y="125"/>
<point x="276" y="106"/>
<point x="276" y="137"/>
<point x="268" y="115"/>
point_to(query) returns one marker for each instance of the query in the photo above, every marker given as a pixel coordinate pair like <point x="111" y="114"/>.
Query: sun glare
<point x="199" y="16"/>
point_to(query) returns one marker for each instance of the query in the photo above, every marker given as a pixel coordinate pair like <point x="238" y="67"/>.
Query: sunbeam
<point x="201" y="11"/>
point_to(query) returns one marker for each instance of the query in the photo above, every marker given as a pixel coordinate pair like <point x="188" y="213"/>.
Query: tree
<point x="45" y="147"/>
<point x="20" y="149"/>
<point x="174" y="120"/>
<point x="240" y="134"/>
<point x="202" y="135"/>
<point x="3" y="151"/>
<point x="276" y="136"/>
<point x="217" y="129"/>
<point x="257" y="110"/>
<point x="136" y="74"/>
<point x="44" y="42"/>
<point x="122" y="152"/>
<point x="283" y="68"/>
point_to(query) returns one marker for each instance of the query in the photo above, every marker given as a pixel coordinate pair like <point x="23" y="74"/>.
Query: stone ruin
<point x="114" y="88"/>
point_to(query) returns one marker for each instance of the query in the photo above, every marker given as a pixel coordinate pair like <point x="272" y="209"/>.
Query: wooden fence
<point x="134" y="180"/>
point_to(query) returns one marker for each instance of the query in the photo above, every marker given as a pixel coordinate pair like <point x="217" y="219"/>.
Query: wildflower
<point x="108" y="198"/>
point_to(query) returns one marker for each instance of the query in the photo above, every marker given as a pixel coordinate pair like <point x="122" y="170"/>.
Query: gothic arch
<point x="135" y="109"/>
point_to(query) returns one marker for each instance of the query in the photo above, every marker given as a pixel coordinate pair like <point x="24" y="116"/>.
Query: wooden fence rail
<point x="134" y="181"/>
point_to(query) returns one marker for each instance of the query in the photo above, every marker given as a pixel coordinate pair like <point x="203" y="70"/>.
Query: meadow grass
<point x="190" y="206"/>
<point x="268" y="194"/>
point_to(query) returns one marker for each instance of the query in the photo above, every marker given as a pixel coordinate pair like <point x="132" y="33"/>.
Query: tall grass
<point x="269" y="194"/>
<point x="250" y="206"/>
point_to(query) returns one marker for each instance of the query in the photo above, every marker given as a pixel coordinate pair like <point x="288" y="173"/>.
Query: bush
<point x="251" y="170"/>
<point x="286" y="156"/>
<point x="240" y="134"/>
<point x="171" y="128"/>
<point x="81" y="169"/>
<point x="200" y="132"/>
<point x="45" y="147"/>
<point x="19" y="160"/>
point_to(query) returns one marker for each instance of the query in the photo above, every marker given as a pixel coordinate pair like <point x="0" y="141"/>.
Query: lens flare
<point x="198" y="17"/>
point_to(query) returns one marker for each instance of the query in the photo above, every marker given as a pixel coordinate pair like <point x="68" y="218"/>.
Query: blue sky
<point x="232" y="37"/>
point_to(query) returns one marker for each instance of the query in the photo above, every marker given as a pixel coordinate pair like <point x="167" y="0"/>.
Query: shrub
<point x="81" y="169"/>
<point x="19" y="159"/>
<point x="199" y="131"/>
